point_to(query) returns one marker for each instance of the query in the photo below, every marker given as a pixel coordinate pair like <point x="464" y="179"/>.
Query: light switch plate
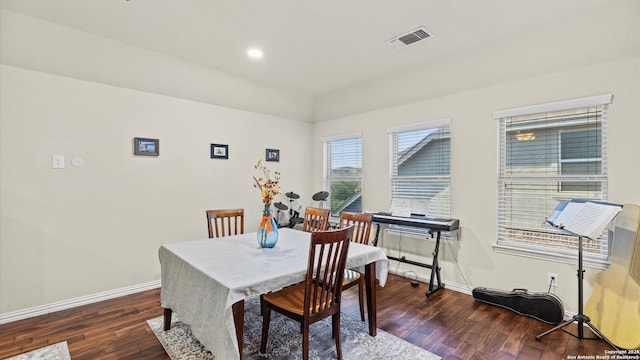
<point x="57" y="161"/>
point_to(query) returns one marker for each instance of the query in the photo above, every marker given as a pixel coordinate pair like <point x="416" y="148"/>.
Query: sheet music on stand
<point x="408" y="207"/>
<point x="582" y="217"/>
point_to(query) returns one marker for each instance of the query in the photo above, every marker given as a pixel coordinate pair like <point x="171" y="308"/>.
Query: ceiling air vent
<point x="409" y="38"/>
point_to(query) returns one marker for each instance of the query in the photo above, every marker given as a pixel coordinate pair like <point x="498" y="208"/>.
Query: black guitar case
<point x="545" y="307"/>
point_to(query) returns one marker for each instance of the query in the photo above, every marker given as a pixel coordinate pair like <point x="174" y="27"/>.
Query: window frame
<point x="512" y="246"/>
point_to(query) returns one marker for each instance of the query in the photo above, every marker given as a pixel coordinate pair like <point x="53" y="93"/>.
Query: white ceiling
<point x="311" y="47"/>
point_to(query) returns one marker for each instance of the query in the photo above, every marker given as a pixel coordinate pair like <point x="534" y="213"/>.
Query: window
<point x="343" y="173"/>
<point x="549" y="153"/>
<point x="420" y="166"/>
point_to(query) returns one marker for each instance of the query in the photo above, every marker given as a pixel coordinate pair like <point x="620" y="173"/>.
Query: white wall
<point x="68" y="233"/>
<point x="474" y="169"/>
<point x="72" y="233"/>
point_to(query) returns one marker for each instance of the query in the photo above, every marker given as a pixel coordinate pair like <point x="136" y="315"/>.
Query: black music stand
<point x="580" y="317"/>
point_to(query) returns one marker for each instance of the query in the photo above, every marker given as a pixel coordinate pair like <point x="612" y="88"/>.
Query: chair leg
<point x="305" y="341"/>
<point x="361" y="296"/>
<point x="266" y="318"/>
<point x="335" y="321"/>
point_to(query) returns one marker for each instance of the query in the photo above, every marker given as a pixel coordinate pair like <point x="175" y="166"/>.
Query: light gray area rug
<point x="58" y="351"/>
<point x="285" y="340"/>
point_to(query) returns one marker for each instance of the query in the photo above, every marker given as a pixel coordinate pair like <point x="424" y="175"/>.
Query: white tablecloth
<point x="202" y="279"/>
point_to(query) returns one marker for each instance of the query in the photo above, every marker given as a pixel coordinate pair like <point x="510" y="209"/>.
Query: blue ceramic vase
<point x="268" y="229"/>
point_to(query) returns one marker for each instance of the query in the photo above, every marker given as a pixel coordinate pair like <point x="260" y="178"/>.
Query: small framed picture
<point x="272" y="155"/>
<point x="219" y="151"/>
<point x="146" y="147"/>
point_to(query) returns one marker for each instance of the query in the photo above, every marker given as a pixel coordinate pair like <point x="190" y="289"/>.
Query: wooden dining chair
<point x="361" y="231"/>
<point x="225" y="222"/>
<point x="315" y="219"/>
<point x="318" y="297"/>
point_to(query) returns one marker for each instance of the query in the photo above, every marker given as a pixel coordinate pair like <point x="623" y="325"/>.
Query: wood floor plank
<point x="447" y="323"/>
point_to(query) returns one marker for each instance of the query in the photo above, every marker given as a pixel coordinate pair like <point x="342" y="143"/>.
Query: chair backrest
<point x="315" y="219"/>
<point x="325" y="272"/>
<point x="225" y="222"/>
<point x="361" y="225"/>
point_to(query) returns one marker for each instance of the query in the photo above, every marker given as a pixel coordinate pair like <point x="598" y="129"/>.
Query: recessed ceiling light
<point x="255" y="53"/>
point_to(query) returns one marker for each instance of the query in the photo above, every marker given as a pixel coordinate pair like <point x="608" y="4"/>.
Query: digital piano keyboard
<point x="435" y="225"/>
<point x="425" y="222"/>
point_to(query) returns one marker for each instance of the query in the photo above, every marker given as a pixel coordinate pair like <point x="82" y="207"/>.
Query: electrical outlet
<point x="552" y="279"/>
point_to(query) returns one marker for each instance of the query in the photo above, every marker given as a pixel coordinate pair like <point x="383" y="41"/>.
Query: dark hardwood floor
<point x="448" y="323"/>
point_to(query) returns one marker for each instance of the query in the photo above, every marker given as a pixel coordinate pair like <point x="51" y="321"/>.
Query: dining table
<point x="206" y="282"/>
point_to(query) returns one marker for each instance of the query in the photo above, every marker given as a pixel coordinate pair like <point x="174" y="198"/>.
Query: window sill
<point x="571" y="259"/>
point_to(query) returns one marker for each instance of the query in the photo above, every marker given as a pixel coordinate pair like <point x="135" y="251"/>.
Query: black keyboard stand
<point x="434" y="266"/>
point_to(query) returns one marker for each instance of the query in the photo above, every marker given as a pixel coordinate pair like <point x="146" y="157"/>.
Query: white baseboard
<point x="79" y="301"/>
<point x="420" y="277"/>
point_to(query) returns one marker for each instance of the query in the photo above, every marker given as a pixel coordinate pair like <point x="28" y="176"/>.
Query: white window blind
<point x="420" y="165"/>
<point x="343" y="173"/>
<point x="545" y="157"/>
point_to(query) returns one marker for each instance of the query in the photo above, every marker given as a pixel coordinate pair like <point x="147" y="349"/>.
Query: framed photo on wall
<point x="219" y="151"/>
<point x="146" y="146"/>
<point x="272" y="155"/>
